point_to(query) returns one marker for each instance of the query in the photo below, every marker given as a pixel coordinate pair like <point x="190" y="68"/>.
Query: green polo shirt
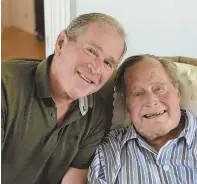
<point x="35" y="149"/>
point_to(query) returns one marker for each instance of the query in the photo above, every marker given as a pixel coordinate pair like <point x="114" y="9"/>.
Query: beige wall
<point x="5" y="13"/>
<point x="19" y="13"/>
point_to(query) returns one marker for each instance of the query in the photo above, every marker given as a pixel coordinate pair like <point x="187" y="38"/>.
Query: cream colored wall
<point x="20" y="14"/>
<point x="5" y="13"/>
<point x="23" y="15"/>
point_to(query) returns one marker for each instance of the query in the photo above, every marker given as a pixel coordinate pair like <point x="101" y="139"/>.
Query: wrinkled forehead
<point x="144" y="71"/>
<point x="106" y="37"/>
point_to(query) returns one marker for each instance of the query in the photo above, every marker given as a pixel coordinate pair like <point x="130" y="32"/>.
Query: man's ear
<point x="62" y="39"/>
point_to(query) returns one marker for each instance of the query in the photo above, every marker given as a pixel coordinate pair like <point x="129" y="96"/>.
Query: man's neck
<point x="63" y="104"/>
<point x="58" y="94"/>
<point x="62" y="101"/>
<point x="159" y="142"/>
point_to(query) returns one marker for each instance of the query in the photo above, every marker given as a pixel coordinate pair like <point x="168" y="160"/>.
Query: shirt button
<point x="52" y="114"/>
<point x="166" y="167"/>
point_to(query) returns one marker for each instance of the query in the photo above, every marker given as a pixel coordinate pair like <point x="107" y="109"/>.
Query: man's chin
<point x="78" y="95"/>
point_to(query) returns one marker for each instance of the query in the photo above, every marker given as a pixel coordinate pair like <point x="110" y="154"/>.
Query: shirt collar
<point x="43" y="86"/>
<point x="85" y="103"/>
<point x="130" y="134"/>
<point x="190" y="127"/>
<point x="42" y="78"/>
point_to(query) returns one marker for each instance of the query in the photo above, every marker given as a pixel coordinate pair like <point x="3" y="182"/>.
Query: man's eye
<point x="137" y="93"/>
<point x="158" y="88"/>
<point x="91" y="52"/>
<point x="109" y="64"/>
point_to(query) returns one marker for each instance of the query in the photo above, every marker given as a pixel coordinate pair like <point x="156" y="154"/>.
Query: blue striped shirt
<point x="124" y="157"/>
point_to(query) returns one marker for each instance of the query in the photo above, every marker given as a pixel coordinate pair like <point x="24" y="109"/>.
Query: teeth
<point x="162" y="112"/>
<point x="156" y="114"/>
<point x="86" y="79"/>
<point x="148" y="115"/>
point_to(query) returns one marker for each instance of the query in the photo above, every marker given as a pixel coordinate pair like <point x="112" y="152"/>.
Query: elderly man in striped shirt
<point x="160" y="144"/>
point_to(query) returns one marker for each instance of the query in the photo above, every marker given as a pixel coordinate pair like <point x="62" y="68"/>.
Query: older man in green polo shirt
<point x="52" y="115"/>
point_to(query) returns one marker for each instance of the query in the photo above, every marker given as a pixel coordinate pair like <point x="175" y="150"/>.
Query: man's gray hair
<point x="78" y="25"/>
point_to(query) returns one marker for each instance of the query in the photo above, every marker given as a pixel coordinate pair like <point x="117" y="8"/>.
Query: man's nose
<point x="151" y="99"/>
<point x="95" y="67"/>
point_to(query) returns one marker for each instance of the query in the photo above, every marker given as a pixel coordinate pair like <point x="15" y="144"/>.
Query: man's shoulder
<point x="18" y="75"/>
<point x="103" y="100"/>
<point x="107" y="91"/>
<point x="192" y="119"/>
<point x="105" y="94"/>
<point x="115" y="137"/>
<point x="100" y="116"/>
<point x="18" y="67"/>
<point x="96" y="102"/>
<point x="191" y="115"/>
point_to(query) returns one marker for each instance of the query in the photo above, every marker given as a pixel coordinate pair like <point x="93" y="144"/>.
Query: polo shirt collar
<point x="42" y="78"/>
<point x="43" y="85"/>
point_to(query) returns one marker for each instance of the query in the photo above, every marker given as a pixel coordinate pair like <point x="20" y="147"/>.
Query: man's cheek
<point x="166" y="97"/>
<point x="134" y="112"/>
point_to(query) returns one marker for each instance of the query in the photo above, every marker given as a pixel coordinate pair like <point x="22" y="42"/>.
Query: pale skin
<point x="153" y="102"/>
<point x="81" y="68"/>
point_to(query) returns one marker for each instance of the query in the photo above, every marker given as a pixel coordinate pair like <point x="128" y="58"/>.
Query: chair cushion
<point x="188" y="85"/>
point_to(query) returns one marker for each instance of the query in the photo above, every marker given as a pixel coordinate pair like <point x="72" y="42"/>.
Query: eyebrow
<point x="136" y="88"/>
<point x="111" y="59"/>
<point x="158" y="83"/>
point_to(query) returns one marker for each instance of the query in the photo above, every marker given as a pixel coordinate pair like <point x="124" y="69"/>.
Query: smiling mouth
<point x="85" y="78"/>
<point x="148" y="116"/>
